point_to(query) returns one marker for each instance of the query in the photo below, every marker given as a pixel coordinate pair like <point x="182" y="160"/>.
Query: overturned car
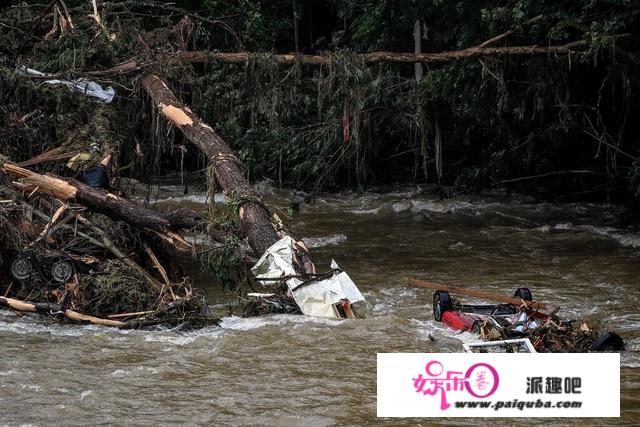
<point x="515" y="323"/>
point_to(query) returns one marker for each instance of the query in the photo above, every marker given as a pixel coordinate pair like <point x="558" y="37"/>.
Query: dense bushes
<point x="565" y="123"/>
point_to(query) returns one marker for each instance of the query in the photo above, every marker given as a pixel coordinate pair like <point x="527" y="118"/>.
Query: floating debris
<point x="332" y="294"/>
<point x="516" y="323"/>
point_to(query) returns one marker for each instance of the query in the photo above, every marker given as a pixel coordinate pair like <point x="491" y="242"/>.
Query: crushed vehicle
<point x="515" y="323"/>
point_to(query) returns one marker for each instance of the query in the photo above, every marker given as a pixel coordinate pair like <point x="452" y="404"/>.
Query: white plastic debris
<point x="88" y="87"/>
<point x="277" y="261"/>
<point x="331" y="297"/>
<point x="319" y="298"/>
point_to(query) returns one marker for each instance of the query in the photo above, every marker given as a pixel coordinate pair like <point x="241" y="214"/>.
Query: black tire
<point x="523" y="293"/>
<point x="441" y="303"/>
<point x="62" y="270"/>
<point x="22" y="267"/>
<point x="475" y="328"/>
<point x="608" y="342"/>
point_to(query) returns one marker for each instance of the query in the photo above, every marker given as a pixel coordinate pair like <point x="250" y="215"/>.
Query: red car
<point x="507" y="321"/>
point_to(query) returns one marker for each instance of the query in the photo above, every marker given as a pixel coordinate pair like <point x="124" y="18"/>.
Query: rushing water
<point x="297" y="370"/>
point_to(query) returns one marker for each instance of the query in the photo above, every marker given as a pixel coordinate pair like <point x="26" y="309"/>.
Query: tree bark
<point x="114" y="206"/>
<point x="318" y="60"/>
<point x="254" y="217"/>
<point x="377" y="57"/>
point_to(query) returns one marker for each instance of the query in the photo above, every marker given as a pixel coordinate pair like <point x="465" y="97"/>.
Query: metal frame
<point x="527" y="344"/>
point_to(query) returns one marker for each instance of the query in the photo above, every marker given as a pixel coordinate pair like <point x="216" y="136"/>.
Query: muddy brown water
<point x="296" y="370"/>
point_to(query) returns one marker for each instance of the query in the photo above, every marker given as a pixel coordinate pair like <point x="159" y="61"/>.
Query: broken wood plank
<point x="52" y="155"/>
<point x="476" y="294"/>
<point x="133" y="314"/>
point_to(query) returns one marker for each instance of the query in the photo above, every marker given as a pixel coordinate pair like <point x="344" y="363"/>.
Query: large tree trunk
<point x="254" y="217"/>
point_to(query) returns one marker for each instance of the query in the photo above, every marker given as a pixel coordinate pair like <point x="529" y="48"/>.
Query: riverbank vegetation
<point x="555" y="125"/>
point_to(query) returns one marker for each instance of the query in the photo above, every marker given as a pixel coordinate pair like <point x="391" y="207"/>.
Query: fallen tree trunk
<point x="367" y="58"/>
<point x="371" y="58"/>
<point x="254" y="217"/>
<point x="107" y="203"/>
<point x="377" y="57"/>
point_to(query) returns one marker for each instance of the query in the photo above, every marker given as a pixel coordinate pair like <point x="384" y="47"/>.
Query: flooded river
<point x="296" y="370"/>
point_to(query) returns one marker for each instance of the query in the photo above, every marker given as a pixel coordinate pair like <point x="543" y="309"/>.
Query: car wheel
<point x="441" y="303"/>
<point x="475" y="328"/>
<point x="608" y="342"/>
<point x="523" y="293"/>
<point x="21" y="267"/>
<point x="62" y="270"/>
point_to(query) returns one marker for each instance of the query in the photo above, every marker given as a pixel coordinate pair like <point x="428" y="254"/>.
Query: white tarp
<point x="277" y="261"/>
<point x="315" y="298"/>
<point x="318" y="298"/>
<point x="88" y="87"/>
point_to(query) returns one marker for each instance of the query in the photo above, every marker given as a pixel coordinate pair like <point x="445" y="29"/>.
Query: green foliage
<point x="499" y="117"/>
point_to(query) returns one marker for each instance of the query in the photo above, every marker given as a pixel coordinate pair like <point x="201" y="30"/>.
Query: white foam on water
<point x="459" y="246"/>
<point x="139" y="370"/>
<point x="235" y="323"/>
<point x="180" y="339"/>
<point x="34" y="326"/>
<point x="7" y="373"/>
<point x="120" y="373"/>
<point x="365" y="211"/>
<point x="563" y="226"/>
<point x="439" y="206"/>
<point x="200" y="199"/>
<point x="318" y="242"/>
<point x="27" y="326"/>
<point x="430" y="329"/>
<point x="625" y="238"/>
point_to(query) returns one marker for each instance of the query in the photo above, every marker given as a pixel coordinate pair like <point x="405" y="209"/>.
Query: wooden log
<point x="254" y="217"/>
<point x="17" y="304"/>
<point x="476" y="294"/>
<point x="31" y="307"/>
<point x="377" y="57"/>
<point x="371" y="58"/>
<point x="79" y="317"/>
<point x="114" y="206"/>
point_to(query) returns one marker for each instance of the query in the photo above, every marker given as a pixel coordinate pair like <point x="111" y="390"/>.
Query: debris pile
<point x="295" y="289"/>
<point x="549" y="334"/>
<point x="61" y="258"/>
<point x="516" y="322"/>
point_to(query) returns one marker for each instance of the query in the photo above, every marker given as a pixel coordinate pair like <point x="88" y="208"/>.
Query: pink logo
<point x="480" y="380"/>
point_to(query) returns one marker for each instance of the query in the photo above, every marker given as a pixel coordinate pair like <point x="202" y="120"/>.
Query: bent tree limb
<point x="254" y="217"/>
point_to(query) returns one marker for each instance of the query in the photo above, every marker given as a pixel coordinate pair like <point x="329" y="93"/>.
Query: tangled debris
<point x="514" y="322"/>
<point x="66" y="260"/>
